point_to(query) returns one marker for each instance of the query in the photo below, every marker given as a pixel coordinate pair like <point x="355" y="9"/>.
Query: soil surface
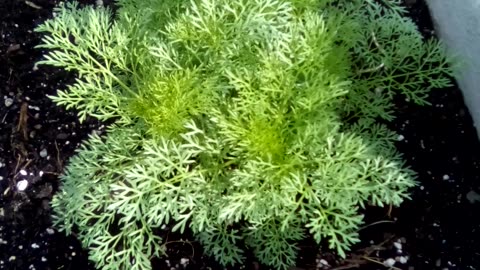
<point x="437" y="229"/>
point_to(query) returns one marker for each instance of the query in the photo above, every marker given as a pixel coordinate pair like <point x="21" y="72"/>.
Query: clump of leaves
<point x="254" y="124"/>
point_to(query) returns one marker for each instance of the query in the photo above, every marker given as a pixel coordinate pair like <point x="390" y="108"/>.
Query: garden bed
<point x="437" y="229"/>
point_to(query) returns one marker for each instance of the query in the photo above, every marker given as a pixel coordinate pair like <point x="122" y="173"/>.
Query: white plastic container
<point x="457" y="23"/>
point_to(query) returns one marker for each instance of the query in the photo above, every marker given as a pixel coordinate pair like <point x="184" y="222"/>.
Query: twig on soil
<point x="22" y="121"/>
<point x="379" y="262"/>
<point x="59" y="161"/>
<point x="376" y="223"/>
<point x="357" y="260"/>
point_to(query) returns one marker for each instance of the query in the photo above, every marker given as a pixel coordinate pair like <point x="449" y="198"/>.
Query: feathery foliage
<point x="254" y="124"/>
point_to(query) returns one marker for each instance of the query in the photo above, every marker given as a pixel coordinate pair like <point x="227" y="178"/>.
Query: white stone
<point x="8" y="102"/>
<point x="397" y="245"/>
<point x="23" y="172"/>
<point x="400" y="138"/>
<point x="34" y="245"/>
<point x="389" y="262"/>
<point x="323" y="262"/>
<point x="184" y="261"/>
<point x="50" y="231"/>
<point x="43" y="153"/>
<point x="402" y="259"/>
<point x="446" y="177"/>
<point x="22" y="185"/>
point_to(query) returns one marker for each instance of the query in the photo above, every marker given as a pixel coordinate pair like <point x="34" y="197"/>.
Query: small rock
<point x="389" y="262"/>
<point x="402" y="259"/>
<point x="400" y="138"/>
<point x="23" y="172"/>
<point x="62" y="136"/>
<point x="13" y="48"/>
<point x="8" y="102"/>
<point x="438" y="262"/>
<point x="50" y="231"/>
<point x="43" y="259"/>
<point x="446" y="177"/>
<point x="184" y="261"/>
<point x="37" y="126"/>
<point x="397" y="245"/>
<point x="323" y="263"/>
<point x="22" y="185"/>
<point x="43" y="153"/>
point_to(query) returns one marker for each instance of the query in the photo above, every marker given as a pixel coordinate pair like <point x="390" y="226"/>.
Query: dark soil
<point x="437" y="229"/>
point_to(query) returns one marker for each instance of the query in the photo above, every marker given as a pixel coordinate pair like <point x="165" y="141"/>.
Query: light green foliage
<point x="251" y="123"/>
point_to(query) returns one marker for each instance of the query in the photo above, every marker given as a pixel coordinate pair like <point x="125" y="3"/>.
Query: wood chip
<point x="13" y="48"/>
<point x="33" y="5"/>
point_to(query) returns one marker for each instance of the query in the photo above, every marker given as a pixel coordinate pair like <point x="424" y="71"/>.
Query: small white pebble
<point x="73" y="254"/>
<point x="397" y="245"/>
<point x="12" y="258"/>
<point x="23" y="172"/>
<point x="20" y="247"/>
<point x="50" y="231"/>
<point x="34" y="245"/>
<point x="323" y="262"/>
<point x="400" y="138"/>
<point x="8" y="102"/>
<point x="446" y="177"/>
<point x="422" y="187"/>
<point x="1" y="178"/>
<point x="43" y="259"/>
<point x="40" y="173"/>
<point x="2" y="164"/>
<point x="389" y="262"/>
<point x="43" y="153"/>
<point x="22" y="185"/>
<point x="402" y="259"/>
<point x="184" y="261"/>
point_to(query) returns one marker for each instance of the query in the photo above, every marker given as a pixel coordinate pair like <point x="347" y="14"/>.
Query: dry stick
<point x="358" y="260"/>
<point x="22" y="121"/>
<point x="376" y="223"/>
<point x="379" y="262"/>
<point x="368" y="70"/>
<point x="59" y="162"/>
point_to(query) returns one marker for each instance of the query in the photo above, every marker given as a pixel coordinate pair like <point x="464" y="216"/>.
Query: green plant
<point x="251" y="123"/>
